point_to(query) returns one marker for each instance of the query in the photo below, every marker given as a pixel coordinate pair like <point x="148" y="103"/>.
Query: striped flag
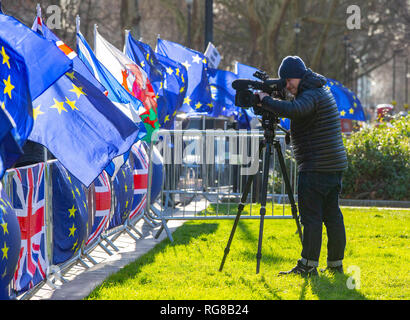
<point x="140" y="175"/>
<point x="28" y="203"/>
<point x="103" y="206"/>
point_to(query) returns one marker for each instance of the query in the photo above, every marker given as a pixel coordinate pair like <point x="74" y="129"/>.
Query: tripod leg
<point x="240" y="209"/>
<point x="288" y="188"/>
<point x="263" y="196"/>
<point x="238" y="215"/>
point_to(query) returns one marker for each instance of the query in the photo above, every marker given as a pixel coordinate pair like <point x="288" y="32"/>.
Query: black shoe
<point x="302" y="270"/>
<point x="333" y="270"/>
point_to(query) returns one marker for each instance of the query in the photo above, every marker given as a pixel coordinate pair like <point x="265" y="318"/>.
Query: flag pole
<point x="38" y="8"/>
<point x="95" y="36"/>
<point x="156" y="45"/>
<point x="77" y="28"/>
<point x="77" y="23"/>
<point x="127" y="32"/>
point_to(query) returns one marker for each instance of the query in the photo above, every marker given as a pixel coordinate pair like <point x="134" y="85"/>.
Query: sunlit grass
<point x="187" y="269"/>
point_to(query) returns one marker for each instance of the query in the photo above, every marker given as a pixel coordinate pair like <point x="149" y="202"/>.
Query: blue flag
<point x="81" y="127"/>
<point x="347" y="102"/>
<point x="78" y="65"/>
<point x="10" y="238"/>
<point x="16" y="111"/>
<point x="142" y="54"/>
<point x="174" y="87"/>
<point x="245" y="72"/>
<point x="198" y="95"/>
<point x="124" y="194"/>
<point x="223" y="95"/>
<point x="125" y="101"/>
<point x="10" y="151"/>
<point x="70" y="214"/>
<point x="45" y="63"/>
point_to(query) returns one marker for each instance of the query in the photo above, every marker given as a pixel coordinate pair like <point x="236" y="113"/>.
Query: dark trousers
<point x="318" y="201"/>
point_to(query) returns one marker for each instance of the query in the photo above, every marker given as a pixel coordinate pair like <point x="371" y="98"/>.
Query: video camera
<point x="244" y="96"/>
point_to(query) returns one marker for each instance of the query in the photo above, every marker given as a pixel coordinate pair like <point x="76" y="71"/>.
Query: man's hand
<point x="261" y="95"/>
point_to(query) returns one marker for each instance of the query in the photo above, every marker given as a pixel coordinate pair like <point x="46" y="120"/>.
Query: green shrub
<point x="378" y="162"/>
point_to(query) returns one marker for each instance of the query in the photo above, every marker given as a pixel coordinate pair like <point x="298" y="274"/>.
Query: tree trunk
<point x="323" y="37"/>
<point x="130" y="17"/>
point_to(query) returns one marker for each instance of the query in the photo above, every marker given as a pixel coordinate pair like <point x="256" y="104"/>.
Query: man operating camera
<point x="321" y="158"/>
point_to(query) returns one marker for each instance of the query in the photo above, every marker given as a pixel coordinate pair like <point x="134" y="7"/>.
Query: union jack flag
<point x="103" y="206"/>
<point x="140" y="172"/>
<point x="28" y="203"/>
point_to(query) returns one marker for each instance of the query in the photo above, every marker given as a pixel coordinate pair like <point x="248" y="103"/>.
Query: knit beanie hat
<point x="292" y="67"/>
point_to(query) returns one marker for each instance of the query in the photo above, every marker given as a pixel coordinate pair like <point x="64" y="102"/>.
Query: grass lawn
<point x="377" y="256"/>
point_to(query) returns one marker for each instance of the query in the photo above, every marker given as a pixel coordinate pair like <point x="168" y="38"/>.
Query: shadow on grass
<point x="330" y="287"/>
<point x="250" y="237"/>
<point x="182" y="236"/>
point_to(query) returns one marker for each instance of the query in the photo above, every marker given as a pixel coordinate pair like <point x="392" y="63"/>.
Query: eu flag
<point x="223" y="95"/>
<point x="10" y="151"/>
<point x="45" y="62"/>
<point x="174" y="87"/>
<point x="70" y="214"/>
<point x="16" y="112"/>
<point x="81" y="127"/>
<point x="244" y="71"/>
<point x="78" y="65"/>
<point x="347" y="102"/>
<point x="198" y="95"/>
<point x="142" y="54"/>
<point x="122" y="99"/>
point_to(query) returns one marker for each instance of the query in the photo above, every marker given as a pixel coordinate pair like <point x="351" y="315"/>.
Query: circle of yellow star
<point x="8" y="86"/>
<point x="37" y="112"/>
<point x="4" y="225"/>
<point x="75" y="245"/>
<point x="6" y="58"/>
<point x="77" y="90"/>
<point x="72" y="212"/>
<point x="71" y="75"/>
<point x="72" y="230"/>
<point x="187" y="101"/>
<point x="5" y="250"/>
<point x="59" y="105"/>
<point x="71" y="103"/>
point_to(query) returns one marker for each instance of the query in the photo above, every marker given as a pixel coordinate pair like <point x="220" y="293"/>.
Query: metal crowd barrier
<point x="206" y="172"/>
<point x="105" y="240"/>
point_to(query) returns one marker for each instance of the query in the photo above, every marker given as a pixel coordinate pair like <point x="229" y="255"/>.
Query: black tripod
<point x="269" y="125"/>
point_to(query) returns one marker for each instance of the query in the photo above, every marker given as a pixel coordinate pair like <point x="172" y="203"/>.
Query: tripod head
<point x="270" y="123"/>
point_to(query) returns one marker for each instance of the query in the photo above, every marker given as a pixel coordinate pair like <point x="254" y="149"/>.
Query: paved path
<point x="82" y="281"/>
